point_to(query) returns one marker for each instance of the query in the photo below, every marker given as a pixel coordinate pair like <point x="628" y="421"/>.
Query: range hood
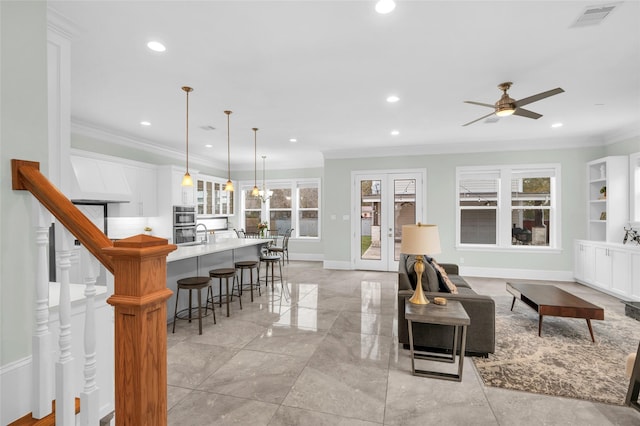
<point x="98" y="181"/>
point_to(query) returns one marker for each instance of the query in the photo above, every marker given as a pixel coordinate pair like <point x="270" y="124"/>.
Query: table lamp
<point x="420" y="240"/>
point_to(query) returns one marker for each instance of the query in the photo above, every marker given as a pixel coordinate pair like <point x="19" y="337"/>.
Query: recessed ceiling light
<point x="395" y="132"/>
<point x="145" y="123"/>
<point x="156" y="46"/>
<point x="385" y="6"/>
<point x="555" y="125"/>
<point x="293" y="140"/>
<point x="393" y="99"/>
<point x="208" y="145"/>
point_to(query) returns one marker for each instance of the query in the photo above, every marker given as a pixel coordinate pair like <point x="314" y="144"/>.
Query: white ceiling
<point x="320" y="71"/>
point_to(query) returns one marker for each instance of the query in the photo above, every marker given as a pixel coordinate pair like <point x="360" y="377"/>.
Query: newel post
<point x="139" y="299"/>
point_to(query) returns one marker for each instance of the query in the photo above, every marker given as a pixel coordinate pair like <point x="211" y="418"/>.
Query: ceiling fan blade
<point x="539" y="96"/>
<point x="481" y="118"/>
<point x="526" y="113"/>
<point x="479" y="103"/>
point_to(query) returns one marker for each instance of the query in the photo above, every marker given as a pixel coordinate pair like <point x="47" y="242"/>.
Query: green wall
<point x="441" y="206"/>
<point x="23" y="135"/>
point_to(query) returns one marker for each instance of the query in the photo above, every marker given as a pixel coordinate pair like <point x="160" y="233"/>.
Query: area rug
<point x="563" y="362"/>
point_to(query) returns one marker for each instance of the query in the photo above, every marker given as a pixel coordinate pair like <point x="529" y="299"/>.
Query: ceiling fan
<point x="509" y="106"/>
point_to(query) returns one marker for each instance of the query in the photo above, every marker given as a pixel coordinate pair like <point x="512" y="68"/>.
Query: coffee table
<point x="552" y="301"/>
<point x="452" y="314"/>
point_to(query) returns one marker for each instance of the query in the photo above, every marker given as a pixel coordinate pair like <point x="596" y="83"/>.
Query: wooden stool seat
<point x="250" y="265"/>
<point x="193" y="283"/>
<point x="225" y="273"/>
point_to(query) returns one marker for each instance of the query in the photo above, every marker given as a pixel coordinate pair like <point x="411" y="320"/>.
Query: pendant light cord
<point x="187" y="90"/>
<point x="255" y="155"/>
<point x="228" y="147"/>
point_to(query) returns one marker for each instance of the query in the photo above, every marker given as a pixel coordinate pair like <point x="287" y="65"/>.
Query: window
<point x="308" y="209"/>
<point x="280" y="209"/>
<point x="508" y="206"/>
<point x="252" y="211"/>
<point x="292" y="204"/>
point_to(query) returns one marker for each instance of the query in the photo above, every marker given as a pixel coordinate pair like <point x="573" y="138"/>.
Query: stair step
<point x="49" y="420"/>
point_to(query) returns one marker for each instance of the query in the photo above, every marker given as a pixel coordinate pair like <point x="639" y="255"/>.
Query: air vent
<point x="594" y="15"/>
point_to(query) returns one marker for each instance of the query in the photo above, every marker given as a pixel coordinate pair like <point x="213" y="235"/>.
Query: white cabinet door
<point x="620" y="271"/>
<point x="635" y="276"/>
<point x="584" y="255"/>
<point x="142" y="181"/>
<point x="602" y="268"/>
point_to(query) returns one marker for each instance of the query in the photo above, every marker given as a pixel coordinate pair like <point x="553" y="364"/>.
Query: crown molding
<point x="62" y="25"/>
<point x="119" y="139"/>
<point x="470" y="147"/>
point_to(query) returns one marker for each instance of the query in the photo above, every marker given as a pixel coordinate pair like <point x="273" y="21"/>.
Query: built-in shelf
<point x="608" y="186"/>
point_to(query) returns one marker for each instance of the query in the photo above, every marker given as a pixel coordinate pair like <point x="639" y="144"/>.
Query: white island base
<point x="198" y="260"/>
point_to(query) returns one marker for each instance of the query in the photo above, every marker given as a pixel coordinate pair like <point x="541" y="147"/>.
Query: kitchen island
<point x="199" y="259"/>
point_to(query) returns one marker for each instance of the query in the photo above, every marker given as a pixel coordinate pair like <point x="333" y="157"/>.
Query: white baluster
<point x="42" y="378"/>
<point x="65" y="402"/>
<point x="89" y="397"/>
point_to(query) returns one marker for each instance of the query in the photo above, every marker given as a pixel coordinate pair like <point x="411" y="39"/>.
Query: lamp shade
<point x="420" y="239"/>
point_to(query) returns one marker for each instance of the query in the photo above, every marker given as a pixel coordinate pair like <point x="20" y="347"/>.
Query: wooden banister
<point x="139" y="300"/>
<point x="26" y="175"/>
<point x="139" y="267"/>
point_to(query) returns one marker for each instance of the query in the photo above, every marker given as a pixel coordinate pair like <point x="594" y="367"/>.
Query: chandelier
<point x="264" y="193"/>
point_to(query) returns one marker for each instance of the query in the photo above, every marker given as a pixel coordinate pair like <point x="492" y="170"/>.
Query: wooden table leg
<point x="590" y="330"/>
<point x="540" y="326"/>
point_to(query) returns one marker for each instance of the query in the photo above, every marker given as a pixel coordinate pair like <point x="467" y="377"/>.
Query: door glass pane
<point x="370" y="232"/>
<point x="404" y="209"/>
<point x="209" y="201"/>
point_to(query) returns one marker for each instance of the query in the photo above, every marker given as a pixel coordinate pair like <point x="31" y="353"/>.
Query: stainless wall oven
<point x="184" y="224"/>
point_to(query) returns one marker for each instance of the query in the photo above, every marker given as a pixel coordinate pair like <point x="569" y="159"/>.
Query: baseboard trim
<point x="310" y="257"/>
<point x="337" y="264"/>
<point x="524" y="274"/>
<point x="15" y="386"/>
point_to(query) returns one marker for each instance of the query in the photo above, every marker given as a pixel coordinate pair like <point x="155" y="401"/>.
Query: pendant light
<point x="186" y="179"/>
<point x="255" y="191"/>
<point x="229" y="185"/>
<point x="264" y="194"/>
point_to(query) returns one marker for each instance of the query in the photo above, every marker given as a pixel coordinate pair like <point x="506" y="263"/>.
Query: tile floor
<point x="326" y="354"/>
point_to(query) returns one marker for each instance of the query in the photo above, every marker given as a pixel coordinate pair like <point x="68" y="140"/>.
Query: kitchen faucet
<point x="204" y="239"/>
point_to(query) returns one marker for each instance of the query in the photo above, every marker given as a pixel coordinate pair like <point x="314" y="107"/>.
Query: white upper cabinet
<point x="142" y="181"/>
<point x="211" y="198"/>
<point x="608" y="198"/>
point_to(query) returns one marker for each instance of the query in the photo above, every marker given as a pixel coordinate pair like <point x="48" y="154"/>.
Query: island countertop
<point x="225" y="244"/>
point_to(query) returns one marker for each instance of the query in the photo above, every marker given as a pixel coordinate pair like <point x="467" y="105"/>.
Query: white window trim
<point x="503" y="209"/>
<point x="293" y="184"/>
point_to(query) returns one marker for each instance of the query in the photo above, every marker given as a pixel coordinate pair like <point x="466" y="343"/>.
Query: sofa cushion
<point x="430" y="280"/>
<point x="446" y="285"/>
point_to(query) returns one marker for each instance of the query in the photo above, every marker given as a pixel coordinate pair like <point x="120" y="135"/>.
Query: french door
<point x="383" y="202"/>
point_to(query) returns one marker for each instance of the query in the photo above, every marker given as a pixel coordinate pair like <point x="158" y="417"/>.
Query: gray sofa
<point x="437" y="338"/>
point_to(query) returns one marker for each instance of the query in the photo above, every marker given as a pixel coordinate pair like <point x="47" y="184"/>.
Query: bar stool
<point x="270" y="259"/>
<point x="250" y="265"/>
<point x="225" y="273"/>
<point x="193" y="283"/>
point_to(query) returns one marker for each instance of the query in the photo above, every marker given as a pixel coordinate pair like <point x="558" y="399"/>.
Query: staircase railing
<point x="140" y="293"/>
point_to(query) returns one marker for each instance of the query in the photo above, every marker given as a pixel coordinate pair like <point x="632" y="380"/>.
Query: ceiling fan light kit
<point x="508" y="106"/>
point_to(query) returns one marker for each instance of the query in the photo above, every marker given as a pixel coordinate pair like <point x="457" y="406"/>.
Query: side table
<point x="451" y="314"/>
